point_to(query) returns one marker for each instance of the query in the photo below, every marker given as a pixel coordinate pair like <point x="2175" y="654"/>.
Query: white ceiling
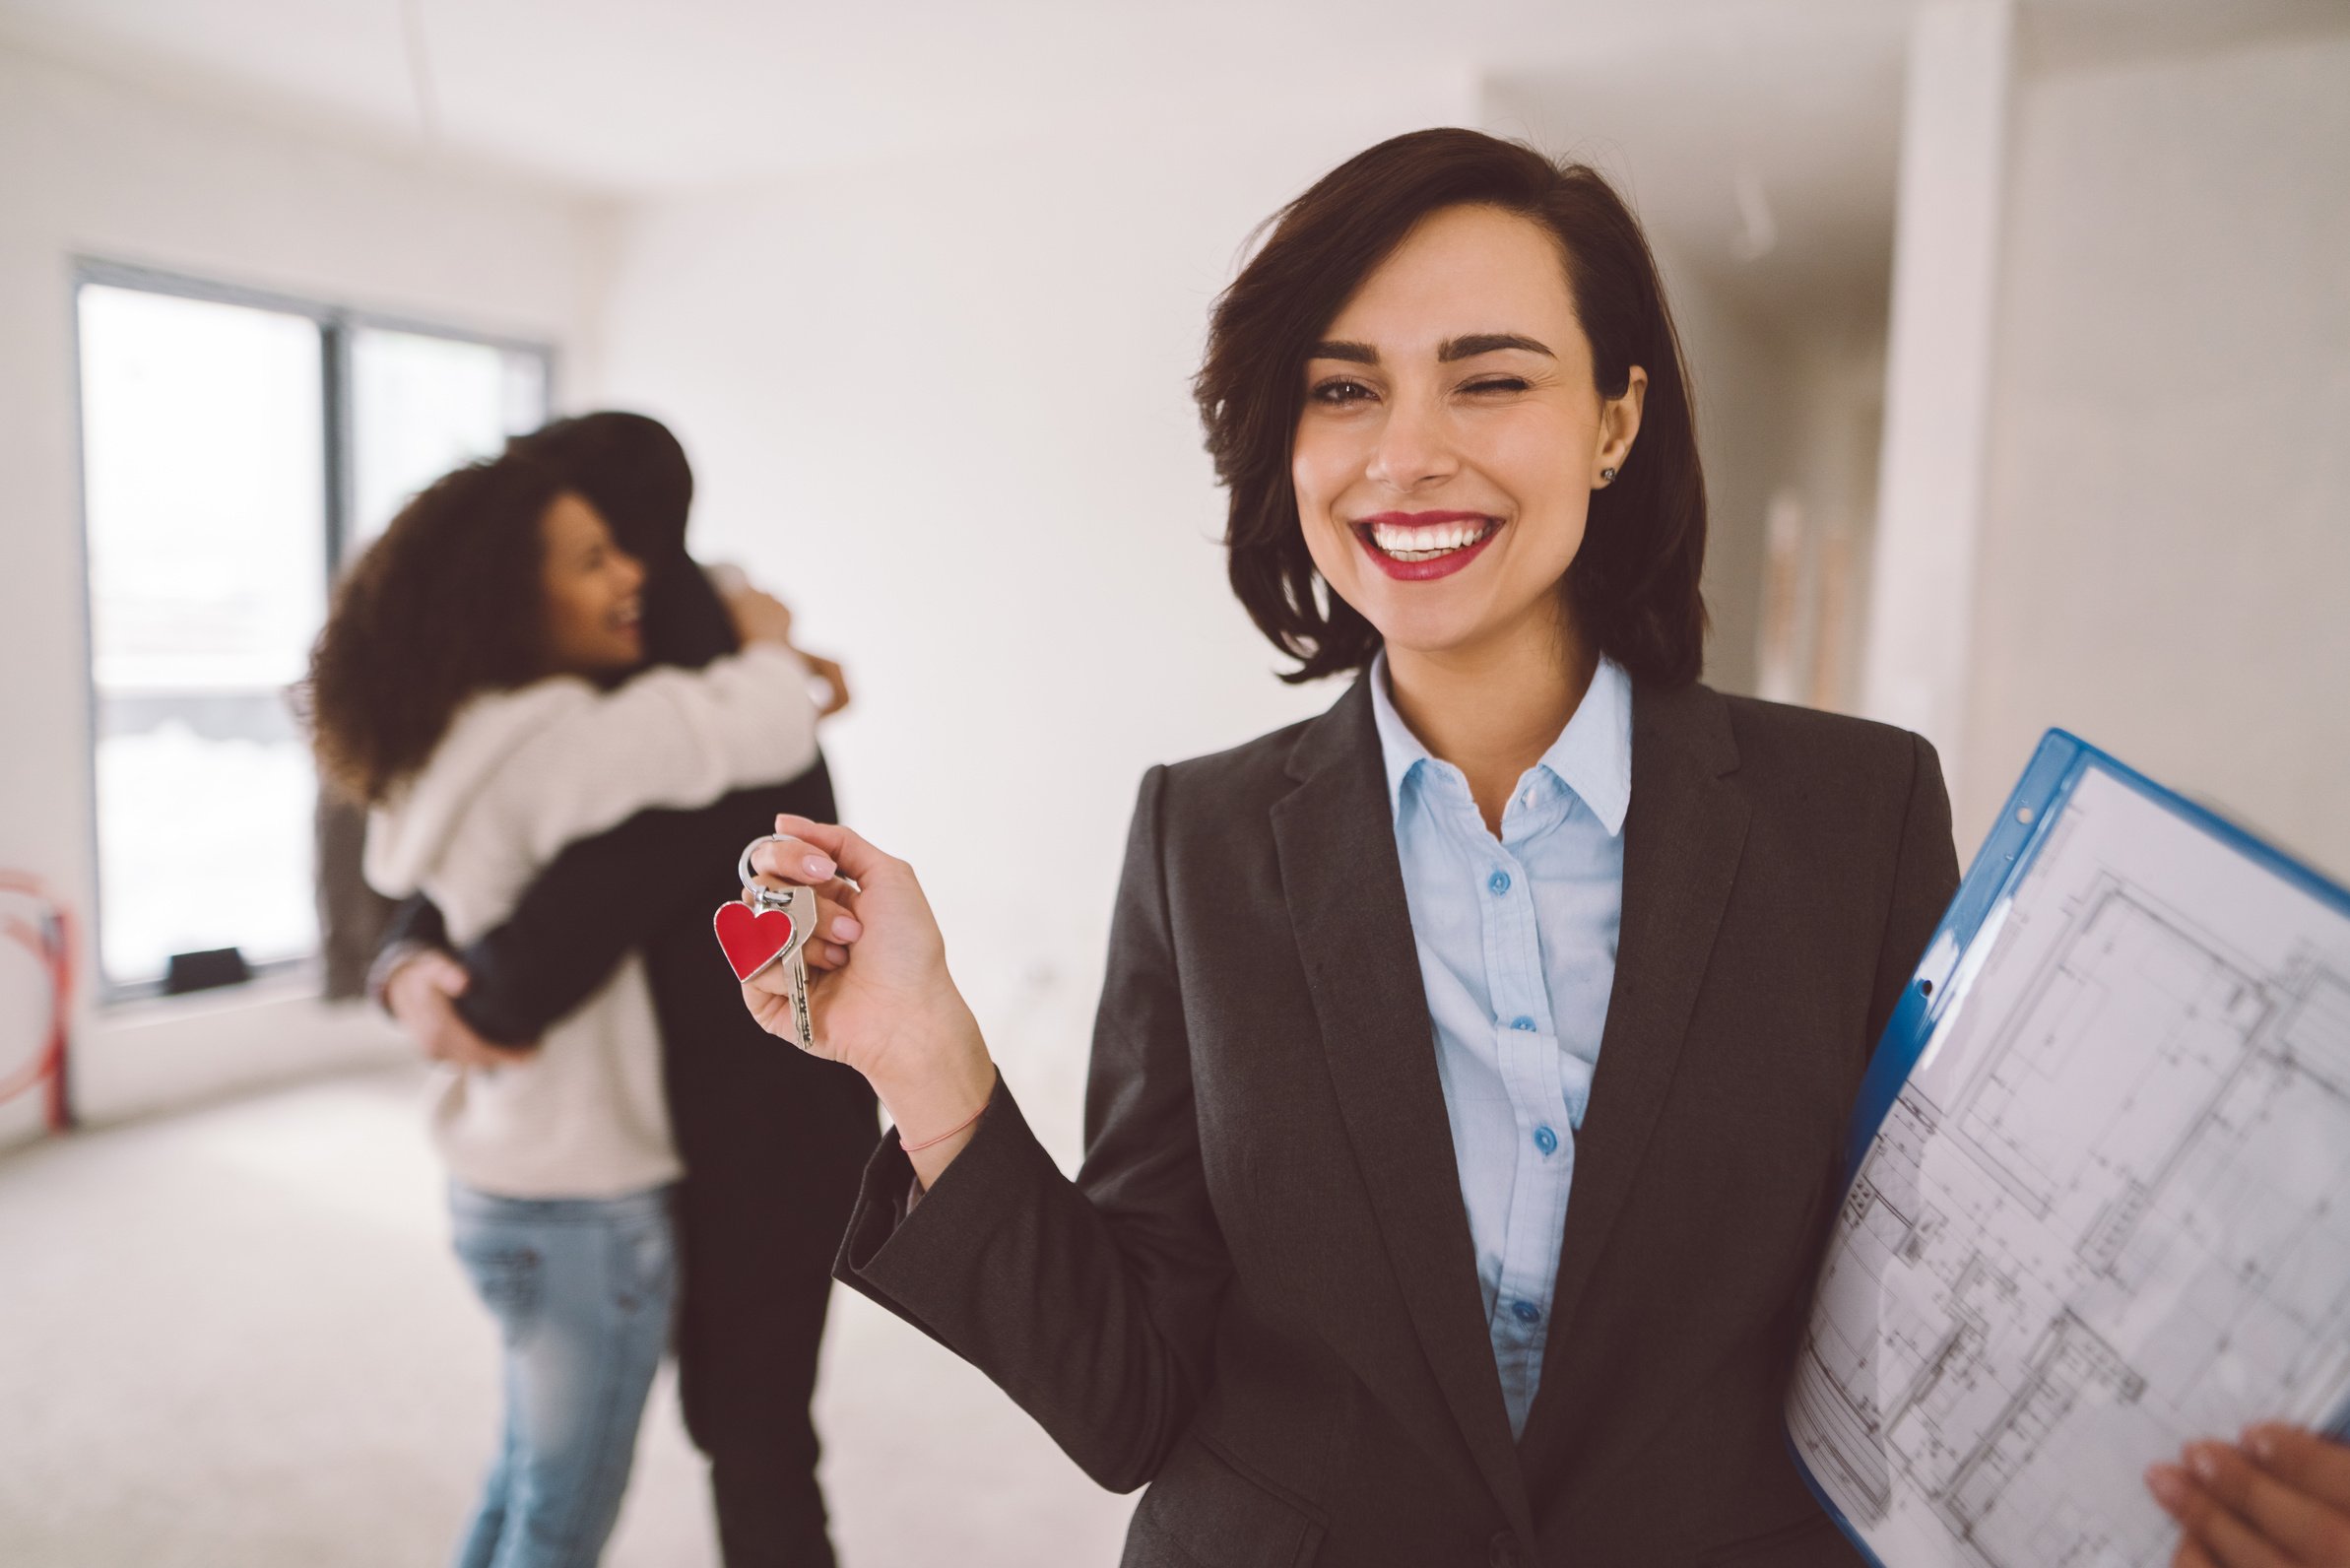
<point x="629" y="97"/>
<point x="1760" y="136"/>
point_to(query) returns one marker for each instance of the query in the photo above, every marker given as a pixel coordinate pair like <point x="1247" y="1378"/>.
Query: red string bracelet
<point x="933" y="1143"/>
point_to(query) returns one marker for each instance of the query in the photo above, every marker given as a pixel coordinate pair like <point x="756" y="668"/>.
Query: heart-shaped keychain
<point x="772" y="928"/>
<point x="753" y="937"/>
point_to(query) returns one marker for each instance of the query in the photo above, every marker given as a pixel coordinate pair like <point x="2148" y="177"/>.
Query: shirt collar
<point x="1593" y="755"/>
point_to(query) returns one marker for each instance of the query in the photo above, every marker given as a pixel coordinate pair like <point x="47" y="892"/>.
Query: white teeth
<point x="1426" y="544"/>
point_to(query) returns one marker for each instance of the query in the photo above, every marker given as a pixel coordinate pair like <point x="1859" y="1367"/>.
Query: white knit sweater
<point x="519" y="775"/>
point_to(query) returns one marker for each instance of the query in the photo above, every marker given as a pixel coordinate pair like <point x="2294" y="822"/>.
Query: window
<point x="234" y="448"/>
<point x="426" y="404"/>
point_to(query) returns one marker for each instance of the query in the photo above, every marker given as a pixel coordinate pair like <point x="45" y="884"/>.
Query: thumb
<point x="451" y="978"/>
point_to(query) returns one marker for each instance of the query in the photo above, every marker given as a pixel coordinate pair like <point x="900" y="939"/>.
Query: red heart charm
<point x="751" y="940"/>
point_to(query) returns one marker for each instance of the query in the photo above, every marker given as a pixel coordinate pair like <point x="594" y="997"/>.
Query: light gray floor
<point x="236" y="1337"/>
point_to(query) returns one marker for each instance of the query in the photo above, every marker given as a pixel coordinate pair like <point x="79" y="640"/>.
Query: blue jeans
<point x="582" y="1289"/>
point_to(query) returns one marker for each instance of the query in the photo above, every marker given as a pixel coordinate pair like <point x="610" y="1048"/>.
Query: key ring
<point x="762" y="897"/>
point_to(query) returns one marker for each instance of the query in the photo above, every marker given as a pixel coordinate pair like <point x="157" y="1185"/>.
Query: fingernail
<point x="2261" y="1440"/>
<point x="846" y="929"/>
<point x="817" y="867"/>
<point x="2203" y="1460"/>
<point x="2167" y="1486"/>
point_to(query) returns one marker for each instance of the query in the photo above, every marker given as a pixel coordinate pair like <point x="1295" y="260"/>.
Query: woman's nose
<point x="1411" y="449"/>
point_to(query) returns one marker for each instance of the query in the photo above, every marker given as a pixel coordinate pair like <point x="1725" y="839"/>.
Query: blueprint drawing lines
<point x="2109" y="1213"/>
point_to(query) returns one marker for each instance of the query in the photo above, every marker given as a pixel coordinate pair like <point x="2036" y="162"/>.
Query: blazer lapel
<point x="1682" y="838"/>
<point x="1343" y="885"/>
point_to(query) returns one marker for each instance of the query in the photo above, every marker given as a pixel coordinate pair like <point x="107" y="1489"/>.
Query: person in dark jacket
<point x="772" y="1142"/>
<point x="1470" y="1084"/>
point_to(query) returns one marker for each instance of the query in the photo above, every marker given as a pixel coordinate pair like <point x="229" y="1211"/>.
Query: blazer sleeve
<point x="1092" y="1303"/>
<point x="605" y="896"/>
<point x="1924" y="880"/>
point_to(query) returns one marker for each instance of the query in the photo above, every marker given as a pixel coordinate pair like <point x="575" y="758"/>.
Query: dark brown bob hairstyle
<point x="447" y="602"/>
<point x="1632" y="591"/>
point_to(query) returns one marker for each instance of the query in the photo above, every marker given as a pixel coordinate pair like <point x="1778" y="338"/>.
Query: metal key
<point x="748" y="932"/>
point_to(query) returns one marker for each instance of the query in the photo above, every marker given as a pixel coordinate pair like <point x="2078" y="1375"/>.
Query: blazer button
<point x="1504" y="1552"/>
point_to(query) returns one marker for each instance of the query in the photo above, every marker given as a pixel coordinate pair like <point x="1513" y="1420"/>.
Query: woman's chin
<point x="1431" y="630"/>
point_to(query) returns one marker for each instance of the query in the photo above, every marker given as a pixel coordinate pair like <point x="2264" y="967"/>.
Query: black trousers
<point x="774" y="1144"/>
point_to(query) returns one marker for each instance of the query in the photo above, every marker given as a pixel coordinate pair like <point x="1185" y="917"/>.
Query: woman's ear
<point x="1619" y="426"/>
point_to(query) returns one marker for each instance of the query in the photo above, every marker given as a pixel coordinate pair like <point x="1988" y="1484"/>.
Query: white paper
<point x="2109" y="1214"/>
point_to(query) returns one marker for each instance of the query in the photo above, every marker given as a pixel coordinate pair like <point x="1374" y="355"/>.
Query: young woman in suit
<point x="1472" y="1062"/>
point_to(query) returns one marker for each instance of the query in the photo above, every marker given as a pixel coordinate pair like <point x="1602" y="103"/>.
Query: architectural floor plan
<point x="2109" y="1212"/>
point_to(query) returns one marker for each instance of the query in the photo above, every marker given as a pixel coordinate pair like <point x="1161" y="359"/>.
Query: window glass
<point x="203" y="488"/>
<point x="204" y="485"/>
<point x="422" y="405"/>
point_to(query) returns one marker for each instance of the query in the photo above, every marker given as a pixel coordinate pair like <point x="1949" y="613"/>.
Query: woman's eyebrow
<point x="1465" y="347"/>
<point x="1477" y="343"/>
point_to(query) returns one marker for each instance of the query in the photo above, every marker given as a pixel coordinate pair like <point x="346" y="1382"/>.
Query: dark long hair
<point x="629" y="466"/>
<point x="447" y="602"/>
<point x="1633" y="589"/>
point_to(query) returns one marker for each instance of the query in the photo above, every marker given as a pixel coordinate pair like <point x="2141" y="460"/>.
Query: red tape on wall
<point x="43" y="926"/>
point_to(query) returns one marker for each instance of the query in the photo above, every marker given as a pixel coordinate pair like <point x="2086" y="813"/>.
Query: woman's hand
<point x="759" y="617"/>
<point x="882" y="1000"/>
<point x="2279" y="1499"/>
<point x="836" y="684"/>
<point x="422" y="997"/>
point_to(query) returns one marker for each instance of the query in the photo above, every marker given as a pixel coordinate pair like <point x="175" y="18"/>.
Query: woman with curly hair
<point x="469" y="687"/>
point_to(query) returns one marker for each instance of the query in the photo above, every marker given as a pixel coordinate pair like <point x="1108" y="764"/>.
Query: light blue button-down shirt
<point x="1517" y="950"/>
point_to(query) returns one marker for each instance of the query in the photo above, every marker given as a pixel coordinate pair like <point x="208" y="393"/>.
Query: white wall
<point x="93" y="168"/>
<point x="1938" y="379"/>
<point x="1822" y="520"/>
<point x="1740" y="377"/>
<point x="2166" y="534"/>
<point x="942" y="408"/>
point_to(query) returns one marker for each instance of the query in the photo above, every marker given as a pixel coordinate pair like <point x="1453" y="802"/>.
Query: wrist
<point x="946" y="1087"/>
<point x="390" y="966"/>
<point x="930" y="1153"/>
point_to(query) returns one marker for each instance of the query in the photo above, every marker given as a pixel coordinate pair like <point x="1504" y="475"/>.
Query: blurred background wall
<point x="2021" y="333"/>
<point x="2164" y="537"/>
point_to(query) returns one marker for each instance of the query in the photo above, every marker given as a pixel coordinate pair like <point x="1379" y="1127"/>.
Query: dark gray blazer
<point x="1260" y="1296"/>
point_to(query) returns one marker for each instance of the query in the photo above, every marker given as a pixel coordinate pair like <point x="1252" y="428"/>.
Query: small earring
<point x="1608" y="476"/>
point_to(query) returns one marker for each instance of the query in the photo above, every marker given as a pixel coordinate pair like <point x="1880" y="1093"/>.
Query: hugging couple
<point x="564" y="730"/>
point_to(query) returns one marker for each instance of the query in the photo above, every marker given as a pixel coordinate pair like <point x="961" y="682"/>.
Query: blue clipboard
<point x="2056" y="768"/>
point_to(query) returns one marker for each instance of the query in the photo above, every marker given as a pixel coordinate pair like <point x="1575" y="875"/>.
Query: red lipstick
<point x="1366" y="531"/>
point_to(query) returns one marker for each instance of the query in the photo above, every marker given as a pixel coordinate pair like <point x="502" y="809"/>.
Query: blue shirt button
<point x="1547" y="1141"/>
<point x="1526" y="1312"/>
<point x="1522" y="1021"/>
<point x="1499" y="882"/>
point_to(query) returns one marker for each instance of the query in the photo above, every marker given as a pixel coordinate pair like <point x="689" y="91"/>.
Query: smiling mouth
<point x="1416" y="542"/>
